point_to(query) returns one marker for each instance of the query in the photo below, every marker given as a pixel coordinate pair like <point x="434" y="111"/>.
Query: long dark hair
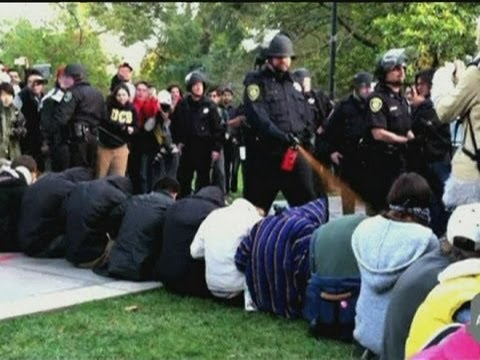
<point x="112" y="98"/>
<point x="408" y="193"/>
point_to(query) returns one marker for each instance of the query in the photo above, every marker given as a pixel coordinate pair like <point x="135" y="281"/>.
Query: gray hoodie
<point x="384" y="249"/>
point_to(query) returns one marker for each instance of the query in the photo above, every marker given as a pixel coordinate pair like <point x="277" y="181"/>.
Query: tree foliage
<point x="69" y="39"/>
<point x="209" y="36"/>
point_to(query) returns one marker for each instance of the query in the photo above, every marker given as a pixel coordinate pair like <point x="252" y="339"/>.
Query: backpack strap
<point x="475" y="156"/>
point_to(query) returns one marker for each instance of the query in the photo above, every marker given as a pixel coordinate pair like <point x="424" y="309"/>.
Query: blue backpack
<point x="330" y="306"/>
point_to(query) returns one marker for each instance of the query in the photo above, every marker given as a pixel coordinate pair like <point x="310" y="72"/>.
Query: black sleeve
<point x="376" y="113"/>
<point x="46" y="115"/>
<point x="66" y="108"/>
<point x="258" y="117"/>
<point x="175" y="125"/>
<point x="335" y="128"/>
<point x="114" y="219"/>
<point x="216" y="129"/>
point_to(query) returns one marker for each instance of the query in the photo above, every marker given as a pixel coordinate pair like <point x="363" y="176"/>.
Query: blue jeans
<point x="440" y="216"/>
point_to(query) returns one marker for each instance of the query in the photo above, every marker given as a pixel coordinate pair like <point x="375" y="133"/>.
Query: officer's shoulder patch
<point x="297" y="86"/>
<point x="68" y="96"/>
<point x="376" y="104"/>
<point x="253" y="92"/>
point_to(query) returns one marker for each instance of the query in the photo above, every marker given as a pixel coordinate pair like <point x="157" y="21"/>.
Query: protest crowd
<point x="143" y="185"/>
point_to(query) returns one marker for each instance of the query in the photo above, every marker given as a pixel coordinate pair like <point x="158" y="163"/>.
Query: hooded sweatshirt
<point x="218" y="245"/>
<point x="175" y="268"/>
<point x="113" y="131"/>
<point x="384" y="249"/>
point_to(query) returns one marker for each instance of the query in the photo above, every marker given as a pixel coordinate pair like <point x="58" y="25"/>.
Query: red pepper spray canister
<point x="289" y="159"/>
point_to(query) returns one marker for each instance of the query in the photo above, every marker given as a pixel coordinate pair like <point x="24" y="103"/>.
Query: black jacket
<point x="12" y="188"/>
<point x="112" y="132"/>
<point x="346" y="126"/>
<point x="194" y="121"/>
<point x="41" y="217"/>
<point x="32" y="142"/>
<point x="88" y="208"/>
<point x="82" y="104"/>
<point x="139" y="240"/>
<point x="275" y="106"/>
<point x="175" y="268"/>
<point x="432" y="135"/>
<point x="53" y="134"/>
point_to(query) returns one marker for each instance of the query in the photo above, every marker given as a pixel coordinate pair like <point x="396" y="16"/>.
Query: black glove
<point x="293" y="140"/>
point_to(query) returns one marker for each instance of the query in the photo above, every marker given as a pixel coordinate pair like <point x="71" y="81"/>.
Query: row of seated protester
<point x="385" y="282"/>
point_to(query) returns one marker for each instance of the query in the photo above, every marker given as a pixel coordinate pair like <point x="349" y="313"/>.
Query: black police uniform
<point x="196" y="124"/>
<point x="82" y="109"/>
<point x="231" y="150"/>
<point x="321" y="106"/>
<point x="274" y="107"/>
<point x="345" y="128"/>
<point x="384" y="161"/>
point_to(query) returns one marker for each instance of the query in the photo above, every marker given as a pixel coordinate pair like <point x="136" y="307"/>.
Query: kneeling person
<point x="140" y="235"/>
<point x="217" y="240"/>
<point x="14" y="180"/>
<point x="88" y="209"/>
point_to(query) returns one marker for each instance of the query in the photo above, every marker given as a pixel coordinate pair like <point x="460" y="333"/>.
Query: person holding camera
<point x="28" y="101"/>
<point x="167" y="159"/>
<point x="81" y="109"/>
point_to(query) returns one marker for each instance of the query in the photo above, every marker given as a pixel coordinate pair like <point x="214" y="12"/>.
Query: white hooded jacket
<point x="217" y="240"/>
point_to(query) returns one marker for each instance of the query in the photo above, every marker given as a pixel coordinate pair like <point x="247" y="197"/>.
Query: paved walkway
<point x="30" y="285"/>
<point x="33" y="285"/>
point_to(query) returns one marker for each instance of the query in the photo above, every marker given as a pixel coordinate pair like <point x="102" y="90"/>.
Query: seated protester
<point x="175" y="268"/>
<point x="12" y="124"/>
<point x="333" y="288"/>
<point x="413" y="287"/>
<point x="217" y="240"/>
<point x="88" y="208"/>
<point x="385" y="246"/>
<point x="14" y="180"/>
<point x="114" y="133"/>
<point x="139" y="241"/>
<point x="275" y="258"/>
<point x="461" y="344"/>
<point x="458" y="284"/>
<point x="41" y="222"/>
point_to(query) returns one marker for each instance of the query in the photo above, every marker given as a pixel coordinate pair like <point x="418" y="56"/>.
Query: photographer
<point x="166" y="160"/>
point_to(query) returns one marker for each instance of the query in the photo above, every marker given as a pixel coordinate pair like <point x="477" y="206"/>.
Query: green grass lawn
<point x="165" y="326"/>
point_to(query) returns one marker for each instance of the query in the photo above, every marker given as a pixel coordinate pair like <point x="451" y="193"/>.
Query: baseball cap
<point x="164" y="97"/>
<point x="463" y="229"/>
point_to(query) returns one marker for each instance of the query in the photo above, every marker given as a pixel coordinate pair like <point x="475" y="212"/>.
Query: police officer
<point x="345" y="128"/>
<point x="279" y="117"/>
<point x="321" y="106"/>
<point x="389" y="122"/>
<point x="81" y="109"/>
<point x="197" y="132"/>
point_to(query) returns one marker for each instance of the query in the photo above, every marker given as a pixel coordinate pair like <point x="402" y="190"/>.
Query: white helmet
<point x="164" y="98"/>
<point x="463" y="228"/>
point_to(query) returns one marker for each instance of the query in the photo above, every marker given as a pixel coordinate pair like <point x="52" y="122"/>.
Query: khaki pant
<point x="112" y="161"/>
